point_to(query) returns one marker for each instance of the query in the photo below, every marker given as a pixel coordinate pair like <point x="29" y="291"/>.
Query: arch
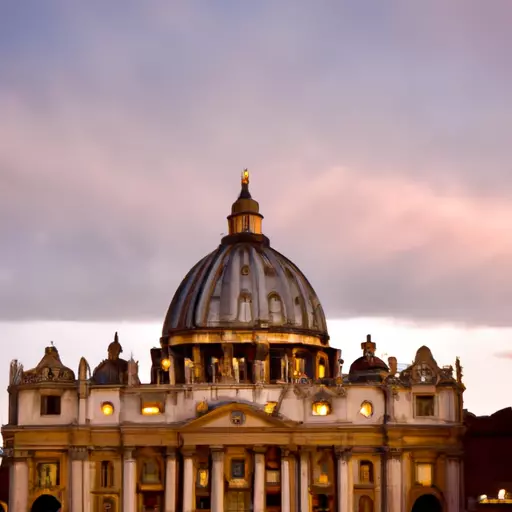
<point x="427" y="503"/>
<point x="365" y="504"/>
<point x="46" y="503"/>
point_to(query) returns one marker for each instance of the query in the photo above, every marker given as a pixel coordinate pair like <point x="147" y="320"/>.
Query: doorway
<point x="427" y="503"/>
<point x="46" y="503"/>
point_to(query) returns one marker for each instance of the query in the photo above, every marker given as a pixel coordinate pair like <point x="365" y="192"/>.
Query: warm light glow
<point x="424" y="474"/>
<point x="245" y="177"/>
<point x="270" y="407"/>
<point x="366" y="409"/>
<point x="321" y="409"/>
<point x="107" y="408"/>
<point x="482" y="497"/>
<point x="166" y="364"/>
<point x="150" y="410"/>
<point x="321" y="371"/>
<point x="501" y="494"/>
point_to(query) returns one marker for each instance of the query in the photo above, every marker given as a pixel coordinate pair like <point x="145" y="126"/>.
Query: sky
<point x="378" y="137"/>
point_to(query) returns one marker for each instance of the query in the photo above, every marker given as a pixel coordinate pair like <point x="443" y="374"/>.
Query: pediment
<point x="237" y="415"/>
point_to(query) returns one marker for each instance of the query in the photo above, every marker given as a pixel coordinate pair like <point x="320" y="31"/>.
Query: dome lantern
<point x="245" y="213"/>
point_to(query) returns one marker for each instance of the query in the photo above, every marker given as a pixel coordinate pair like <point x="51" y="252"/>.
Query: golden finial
<point x="245" y="177"/>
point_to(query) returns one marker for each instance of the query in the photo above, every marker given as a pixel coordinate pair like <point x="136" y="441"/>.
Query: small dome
<point x="246" y="285"/>
<point x="364" y="364"/>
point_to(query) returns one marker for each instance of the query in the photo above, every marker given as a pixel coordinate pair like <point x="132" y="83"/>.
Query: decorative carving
<point x="393" y="365"/>
<point x="15" y="373"/>
<point x="343" y="453"/>
<point x="237" y="418"/>
<point x="49" y="369"/>
<point x="201" y="408"/>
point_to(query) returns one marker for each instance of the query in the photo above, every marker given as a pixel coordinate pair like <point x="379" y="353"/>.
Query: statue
<point x="458" y="369"/>
<point x="393" y="366"/>
<point x="133" y="372"/>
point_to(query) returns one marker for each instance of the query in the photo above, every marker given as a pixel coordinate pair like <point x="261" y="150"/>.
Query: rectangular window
<point x="238" y="468"/>
<point x="424" y="405"/>
<point x="50" y="405"/>
<point x="424" y="474"/>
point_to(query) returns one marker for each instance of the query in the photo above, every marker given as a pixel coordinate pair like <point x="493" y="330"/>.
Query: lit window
<point x="424" y="474"/>
<point x="502" y="494"/>
<point x="166" y="364"/>
<point x="202" y="477"/>
<point x="321" y="408"/>
<point x="366" y="409"/>
<point x="321" y="370"/>
<point x="107" y="408"/>
<point x="366" y="472"/>
<point x="270" y="407"/>
<point x="151" y="409"/>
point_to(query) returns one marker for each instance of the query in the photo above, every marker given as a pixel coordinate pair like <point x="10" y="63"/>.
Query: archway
<point x="46" y="503"/>
<point x="427" y="503"/>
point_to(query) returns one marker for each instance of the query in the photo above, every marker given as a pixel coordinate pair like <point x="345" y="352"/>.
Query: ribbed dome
<point x="245" y="284"/>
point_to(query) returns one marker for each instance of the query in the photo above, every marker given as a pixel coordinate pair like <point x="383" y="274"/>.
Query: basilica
<point x="247" y="407"/>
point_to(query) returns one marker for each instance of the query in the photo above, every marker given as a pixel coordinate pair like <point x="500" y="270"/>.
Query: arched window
<point x="245" y="307"/>
<point x="106" y="474"/>
<point x="275" y="309"/>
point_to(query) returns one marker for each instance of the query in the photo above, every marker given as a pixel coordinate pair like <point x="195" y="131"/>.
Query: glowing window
<point x="502" y="494"/>
<point x="151" y="409"/>
<point x="166" y="364"/>
<point x="107" y="408"/>
<point x="270" y="407"/>
<point x="321" y="370"/>
<point x="366" y="409"/>
<point x="424" y="474"/>
<point x="321" y="408"/>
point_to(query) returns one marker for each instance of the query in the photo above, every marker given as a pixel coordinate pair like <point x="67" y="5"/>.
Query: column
<point x="170" y="480"/>
<point x="189" y="496"/>
<point x="394" y="480"/>
<point x="345" y="487"/>
<point x="285" y="479"/>
<point x="259" y="479"/>
<point x="129" y="482"/>
<point x="453" y="483"/>
<point x="77" y="489"/>
<point x="217" y="503"/>
<point x="304" y="481"/>
<point x="18" y="485"/>
<point x="88" y="479"/>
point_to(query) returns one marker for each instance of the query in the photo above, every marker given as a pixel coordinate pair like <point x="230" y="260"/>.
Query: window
<point x="238" y="468"/>
<point x="366" y="409"/>
<point x="106" y="474"/>
<point x="424" y="474"/>
<point x="424" y="405"/>
<point x="273" y="476"/>
<point x="50" y="405"/>
<point x="321" y="408"/>
<point x="202" y="477"/>
<point x="366" y="472"/>
<point x="150" y="472"/>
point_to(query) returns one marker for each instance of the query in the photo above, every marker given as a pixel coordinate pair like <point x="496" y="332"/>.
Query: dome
<point x="246" y="285"/>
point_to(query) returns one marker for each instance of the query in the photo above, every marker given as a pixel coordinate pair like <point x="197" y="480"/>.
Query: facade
<point x="248" y="408"/>
<point x="487" y="456"/>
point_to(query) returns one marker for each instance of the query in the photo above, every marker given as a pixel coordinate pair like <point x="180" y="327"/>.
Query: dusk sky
<point x="379" y="139"/>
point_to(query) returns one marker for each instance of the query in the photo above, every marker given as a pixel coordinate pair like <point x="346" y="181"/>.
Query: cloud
<point x="381" y="160"/>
